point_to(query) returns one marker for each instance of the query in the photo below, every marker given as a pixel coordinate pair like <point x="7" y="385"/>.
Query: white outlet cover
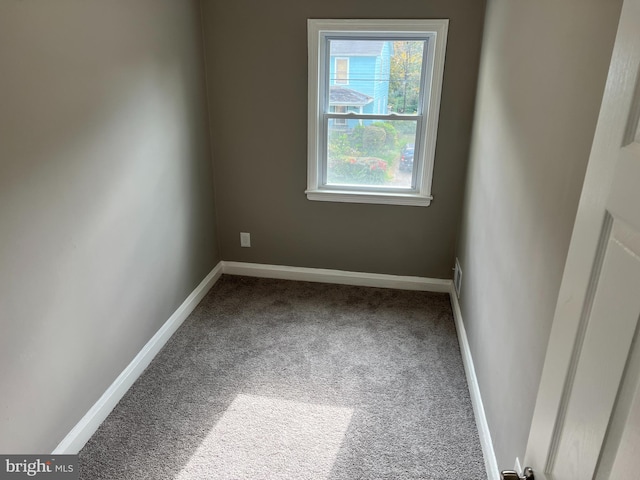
<point x="245" y="239"/>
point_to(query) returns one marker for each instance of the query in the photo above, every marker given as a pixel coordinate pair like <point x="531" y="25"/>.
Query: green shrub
<point x="373" y="140"/>
<point x="391" y="138"/>
<point x="340" y="145"/>
<point x="357" y="170"/>
<point x="379" y="141"/>
<point x="355" y="138"/>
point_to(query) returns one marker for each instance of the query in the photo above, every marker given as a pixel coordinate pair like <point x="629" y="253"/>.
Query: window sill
<point x="382" y="198"/>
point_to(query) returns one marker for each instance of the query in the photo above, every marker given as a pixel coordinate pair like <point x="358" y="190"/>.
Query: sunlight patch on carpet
<point x="269" y="438"/>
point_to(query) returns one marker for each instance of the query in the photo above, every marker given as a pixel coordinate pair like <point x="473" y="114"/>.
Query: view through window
<point x="384" y="79"/>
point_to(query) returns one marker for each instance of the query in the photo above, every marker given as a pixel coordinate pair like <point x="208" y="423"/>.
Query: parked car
<point x="406" y="157"/>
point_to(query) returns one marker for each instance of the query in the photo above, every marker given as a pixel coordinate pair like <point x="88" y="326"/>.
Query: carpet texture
<point x="273" y="379"/>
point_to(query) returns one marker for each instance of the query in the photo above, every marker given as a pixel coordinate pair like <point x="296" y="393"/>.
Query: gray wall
<point x="542" y="75"/>
<point x="106" y="199"/>
<point x="257" y="73"/>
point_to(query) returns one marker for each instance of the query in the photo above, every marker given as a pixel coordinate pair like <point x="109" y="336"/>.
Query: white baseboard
<point x="86" y="427"/>
<point x="337" y="276"/>
<point x="490" y="461"/>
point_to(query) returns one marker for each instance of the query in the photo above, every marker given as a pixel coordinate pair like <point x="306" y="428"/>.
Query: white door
<point x="586" y="423"/>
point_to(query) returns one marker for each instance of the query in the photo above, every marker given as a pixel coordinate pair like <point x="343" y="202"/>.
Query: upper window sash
<point x="325" y="59"/>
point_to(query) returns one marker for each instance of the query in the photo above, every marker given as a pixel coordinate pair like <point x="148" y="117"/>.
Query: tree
<point x="404" y="80"/>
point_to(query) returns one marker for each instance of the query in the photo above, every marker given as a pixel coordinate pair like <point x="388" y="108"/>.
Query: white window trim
<point x="421" y="194"/>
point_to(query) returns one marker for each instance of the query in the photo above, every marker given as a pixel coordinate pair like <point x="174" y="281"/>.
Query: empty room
<point x="319" y="240"/>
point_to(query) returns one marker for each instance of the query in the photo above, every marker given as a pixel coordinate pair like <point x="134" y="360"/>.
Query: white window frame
<point x="427" y="119"/>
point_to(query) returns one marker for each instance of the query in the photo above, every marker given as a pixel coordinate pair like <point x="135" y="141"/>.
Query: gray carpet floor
<point x="274" y="379"/>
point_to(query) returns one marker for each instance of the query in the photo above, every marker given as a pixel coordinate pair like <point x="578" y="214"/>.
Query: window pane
<point x="376" y="76"/>
<point x="373" y="153"/>
<point x="404" y="79"/>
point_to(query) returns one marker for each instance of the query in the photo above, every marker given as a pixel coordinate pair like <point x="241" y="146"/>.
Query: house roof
<point x="346" y="96"/>
<point x="363" y="48"/>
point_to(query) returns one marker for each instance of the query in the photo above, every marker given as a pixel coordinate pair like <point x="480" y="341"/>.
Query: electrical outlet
<point x="457" y="278"/>
<point x="245" y="239"/>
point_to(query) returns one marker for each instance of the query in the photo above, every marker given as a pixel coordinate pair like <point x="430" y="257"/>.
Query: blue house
<point x="359" y="73"/>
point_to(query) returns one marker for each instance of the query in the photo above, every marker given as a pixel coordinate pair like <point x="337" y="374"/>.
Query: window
<point x="342" y="71"/>
<point x="379" y="149"/>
